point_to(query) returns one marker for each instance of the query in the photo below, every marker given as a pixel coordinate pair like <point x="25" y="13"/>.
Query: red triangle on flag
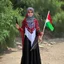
<point x="49" y="17"/>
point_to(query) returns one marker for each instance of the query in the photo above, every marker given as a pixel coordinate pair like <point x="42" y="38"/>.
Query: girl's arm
<point x="39" y="33"/>
<point x="21" y="30"/>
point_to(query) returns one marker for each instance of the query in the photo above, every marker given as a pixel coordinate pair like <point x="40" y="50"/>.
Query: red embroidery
<point x="30" y="29"/>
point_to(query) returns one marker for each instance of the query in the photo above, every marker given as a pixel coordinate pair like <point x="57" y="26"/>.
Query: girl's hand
<point x="42" y="34"/>
<point x="40" y="37"/>
<point x="17" y="26"/>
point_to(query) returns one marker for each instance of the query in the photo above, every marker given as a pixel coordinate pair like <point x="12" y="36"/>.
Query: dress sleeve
<point x="22" y="31"/>
<point x="22" y="28"/>
<point x="38" y="29"/>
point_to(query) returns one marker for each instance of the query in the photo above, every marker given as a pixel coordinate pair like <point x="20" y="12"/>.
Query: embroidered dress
<point x="30" y="38"/>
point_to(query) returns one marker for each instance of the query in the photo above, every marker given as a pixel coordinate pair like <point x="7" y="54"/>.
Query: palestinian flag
<point x="49" y="22"/>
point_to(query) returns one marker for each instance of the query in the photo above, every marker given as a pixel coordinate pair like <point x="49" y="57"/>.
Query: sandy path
<point x="53" y="54"/>
<point x="50" y="54"/>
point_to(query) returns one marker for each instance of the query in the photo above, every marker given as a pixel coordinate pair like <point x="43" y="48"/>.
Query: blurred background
<point x="9" y="9"/>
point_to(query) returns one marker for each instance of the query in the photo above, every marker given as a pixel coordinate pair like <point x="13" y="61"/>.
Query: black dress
<point x="30" y="56"/>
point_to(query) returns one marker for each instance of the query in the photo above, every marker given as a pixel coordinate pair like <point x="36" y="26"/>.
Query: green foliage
<point x="59" y="24"/>
<point x="56" y="7"/>
<point x="9" y="9"/>
<point x="7" y="24"/>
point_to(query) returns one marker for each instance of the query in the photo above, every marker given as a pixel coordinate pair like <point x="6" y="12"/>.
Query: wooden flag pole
<point x="45" y="24"/>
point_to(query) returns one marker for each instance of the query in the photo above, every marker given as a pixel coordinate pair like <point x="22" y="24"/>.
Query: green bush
<point x="59" y="24"/>
<point x="7" y="24"/>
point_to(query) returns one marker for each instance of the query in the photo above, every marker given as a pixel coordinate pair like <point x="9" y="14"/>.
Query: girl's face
<point x="30" y="13"/>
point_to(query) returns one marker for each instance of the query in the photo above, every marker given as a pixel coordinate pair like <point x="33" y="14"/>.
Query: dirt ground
<point x="51" y="51"/>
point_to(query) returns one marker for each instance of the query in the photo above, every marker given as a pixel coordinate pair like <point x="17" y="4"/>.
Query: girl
<point x="30" y="32"/>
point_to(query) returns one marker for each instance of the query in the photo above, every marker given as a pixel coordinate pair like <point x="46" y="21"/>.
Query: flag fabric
<point x="49" y="17"/>
<point x="49" y="22"/>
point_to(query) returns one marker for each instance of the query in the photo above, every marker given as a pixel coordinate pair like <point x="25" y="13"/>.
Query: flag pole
<point x="45" y="23"/>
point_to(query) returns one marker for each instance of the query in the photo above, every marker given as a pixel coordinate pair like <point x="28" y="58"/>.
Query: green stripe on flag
<point x="49" y="25"/>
